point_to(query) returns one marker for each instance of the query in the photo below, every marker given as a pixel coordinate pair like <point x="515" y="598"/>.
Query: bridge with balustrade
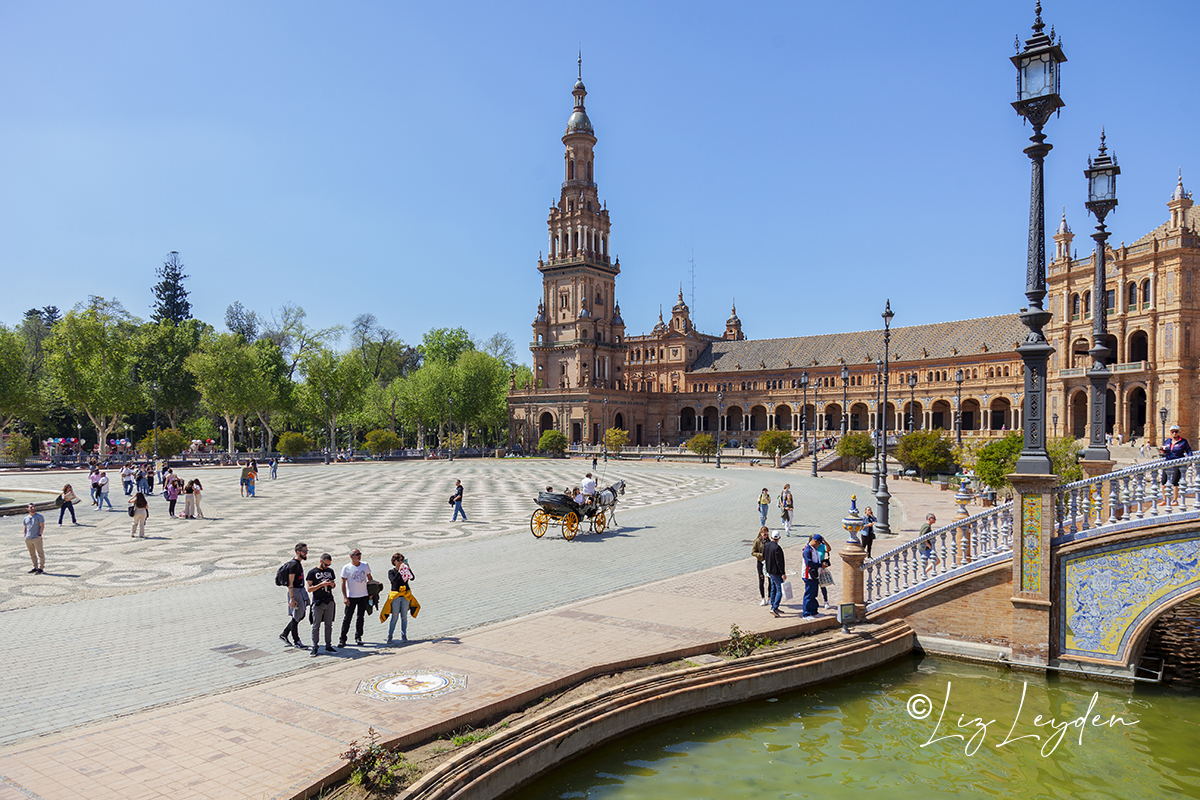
<point x="1096" y="563"/>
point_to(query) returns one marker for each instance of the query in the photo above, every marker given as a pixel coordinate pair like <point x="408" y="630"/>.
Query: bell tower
<point x="578" y="338"/>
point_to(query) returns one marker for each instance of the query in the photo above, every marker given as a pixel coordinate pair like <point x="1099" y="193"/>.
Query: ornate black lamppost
<point x="329" y="439"/>
<point x="1054" y="418"/>
<point x="720" y="424"/>
<point x="604" y="434"/>
<point x="912" y="402"/>
<point x="1037" y="98"/>
<point x="450" y="431"/>
<point x="845" y="390"/>
<point x="804" y="408"/>
<point x="1162" y="415"/>
<point x="1101" y="175"/>
<point x="154" y="387"/>
<point x="958" y="378"/>
<point x="660" y="437"/>
<point x="818" y="424"/>
<point x="877" y="427"/>
<point x="882" y="497"/>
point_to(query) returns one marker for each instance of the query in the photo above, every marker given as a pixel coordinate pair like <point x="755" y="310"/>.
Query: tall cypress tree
<point x="170" y="296"/>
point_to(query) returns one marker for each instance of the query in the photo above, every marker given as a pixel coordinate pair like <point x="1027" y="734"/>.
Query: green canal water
<point x="878" y="735"/>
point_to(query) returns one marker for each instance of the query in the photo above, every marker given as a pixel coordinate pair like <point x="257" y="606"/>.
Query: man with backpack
<point x="291" y="575"/>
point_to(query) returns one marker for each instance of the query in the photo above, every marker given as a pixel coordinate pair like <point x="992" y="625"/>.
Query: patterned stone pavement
<point x="193" y="611"/>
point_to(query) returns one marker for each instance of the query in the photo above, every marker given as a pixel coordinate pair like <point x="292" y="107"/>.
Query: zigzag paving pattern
<point x="193" y="612"/>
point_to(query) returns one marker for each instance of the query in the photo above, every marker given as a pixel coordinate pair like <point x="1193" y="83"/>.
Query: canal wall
<point x="975" y="608"/>
<point x="517" y="755"/>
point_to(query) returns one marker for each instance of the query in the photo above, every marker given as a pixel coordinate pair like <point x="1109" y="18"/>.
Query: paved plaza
<point x="119" y="627"/>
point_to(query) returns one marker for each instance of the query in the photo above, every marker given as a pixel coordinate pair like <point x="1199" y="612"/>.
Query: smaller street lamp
<point x="329" y="439"/>
<point x="720" y="424"/>
<point x="845" y="391"/>
<point x="1101" y="176"/>
<point x="1054" y="419"/>
<point x="450" y="400"/>
<point x="958" y="378"/>
<point x="1162" y="414"/>
<point x="154" y="387"/>
<point x="604" y="433"/>
<point x="912" y="401"/>
<point x="660" y="436"/>
<point x="804" y="407"/>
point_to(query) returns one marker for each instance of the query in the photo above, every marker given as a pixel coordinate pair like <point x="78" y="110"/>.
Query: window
<point x="1110" y="298"/>
<point x="1131" y="295"/>
<point x="1146" y="293"/>
<point x="1087" y="305"/>
<point x="1074" y="306"/>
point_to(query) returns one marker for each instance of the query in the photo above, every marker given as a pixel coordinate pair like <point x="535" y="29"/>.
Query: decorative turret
<point x="680" y="315"/>
<point x="1180" y="202"/>
<point x="661" y="327"/>
<point x="616" y="320"/>
<point x="1062" y="239"/>
<point x="733" y="326"/>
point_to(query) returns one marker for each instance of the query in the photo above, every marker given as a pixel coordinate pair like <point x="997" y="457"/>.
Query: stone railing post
<point x="1033" y="527"/>
<point x="853" y="556"/>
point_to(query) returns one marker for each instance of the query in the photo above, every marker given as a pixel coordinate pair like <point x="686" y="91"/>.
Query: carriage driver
<point x="588" y="487"/>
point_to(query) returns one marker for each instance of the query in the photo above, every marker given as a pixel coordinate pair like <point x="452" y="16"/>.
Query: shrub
<point x="553" y="441"/>
<point x="743" y="644"/>
<point x="927" y="451"/>
<point x="373" y="766"/>
<point x="615" y="439"/>
<point x="380" y="441"/>
<point x="703" y="444"/>
<point x="856" y="448"/>
<point x="17" y="448"/>
<point x="996" y="460"/>
<point x="775" y="443"/>
<point x="170" y="442"/>
<point x="292" y="444"/>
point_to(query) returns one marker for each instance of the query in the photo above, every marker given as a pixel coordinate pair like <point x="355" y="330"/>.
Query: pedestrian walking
<point x="67" y="501"/>
<point x="102" y="488"/>
<point x="321" y="581"/>
<point x="189" y="500"/>
<point x="593" y="463"/>
<point x="171" y="492"/>
<point x="824" y="576"/>
<point x="127" y="480"/>
<point x="400" y="600"/>
<point x="764" y="505"/>
<point x="274" y="463"/>
<point x="1173" y="448"/>
<point x="760" y="541"/>
<point x="930" y="521"/>
<point x="196" y="490"/>
<point x="786" y="506"/>
<point x="929" y="559"/>
<point x="141" y="513"/>
<point x="140" y="480"/>
<point x="297" y="604"/>
<point x="812" y="575"/>
<point x="245" y="478"/>
<point x="868" y="531"/>
<point x="774" y="566"/>
<point x="456" y="501"/>
<point x="354" y="594"/>
<point x="251" y="477"/>
<point x="35" y="526"/>
<point x="94" y="480"/>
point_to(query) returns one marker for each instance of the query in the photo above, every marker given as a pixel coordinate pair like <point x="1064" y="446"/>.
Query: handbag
<point x="58" y="501"/>
<point x="824" y="577"/>
<point x="786" y="586"/>
<point x="131" y="511"/>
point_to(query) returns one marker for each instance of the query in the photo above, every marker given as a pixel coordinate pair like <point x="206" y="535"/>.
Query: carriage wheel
<point x="538" y="523"/>
<point x="570" y="525"/>
<point x="599" y="522"/>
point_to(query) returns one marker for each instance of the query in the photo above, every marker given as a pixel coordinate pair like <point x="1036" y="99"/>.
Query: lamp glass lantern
<point x="1162" y="414"/>
<point x="1037" y="73"/>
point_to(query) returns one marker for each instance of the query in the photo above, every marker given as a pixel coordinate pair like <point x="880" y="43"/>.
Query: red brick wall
<point x="977" y="608"/>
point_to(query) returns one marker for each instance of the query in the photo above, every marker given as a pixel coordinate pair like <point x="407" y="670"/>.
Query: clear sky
<point x="399" y="158"/>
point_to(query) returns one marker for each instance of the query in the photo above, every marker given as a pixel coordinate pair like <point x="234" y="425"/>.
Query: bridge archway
<point x="1136" y="410"/>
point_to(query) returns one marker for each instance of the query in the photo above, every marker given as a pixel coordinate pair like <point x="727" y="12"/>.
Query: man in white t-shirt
<point x="588" y="487"/>
<point x="354" y="594"/>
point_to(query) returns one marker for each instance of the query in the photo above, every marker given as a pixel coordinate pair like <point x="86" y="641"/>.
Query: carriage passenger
<point x="588" y="488"/>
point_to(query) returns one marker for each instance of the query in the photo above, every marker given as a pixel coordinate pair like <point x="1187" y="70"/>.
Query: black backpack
<point x="281" y="574"/>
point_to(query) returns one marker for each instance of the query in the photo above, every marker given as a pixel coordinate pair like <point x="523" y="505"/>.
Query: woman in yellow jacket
<point x="400" y="601"/>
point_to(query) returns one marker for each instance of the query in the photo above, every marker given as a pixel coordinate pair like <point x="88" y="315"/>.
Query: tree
<point x="295" y="339"/>
<point x="856" y="448"/>
<point x="171" y="299"/>
<point x="292" y="444"/>
<point x="242" y="322"/>
<point x="162" y="350"/>
<point x="775" y="443"/>
<point x="225" y="367"/>
<point x="17" y="448"/>
<point x="997" y="459"/>
<point x="445" y="345"/>
<point x="19" y="396"/>
<point x="381" y="441"/>
<point x="90" y="360"/>
<point x="170" y="442"/>
<point x="333" y="386"/>
<point x="501" y="347"/>
<point x="927" y="451"/>
<point x="703" y="444"/>
<point x="271" y="390"/>
<point x="615" y="439"/>
<point x="522" y="376"/>
<point x="481" y="383"/>
<point x="553" y="441"/>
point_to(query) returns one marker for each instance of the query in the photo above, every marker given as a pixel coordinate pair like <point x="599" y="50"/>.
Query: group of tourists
<point x="311" y="594"/>
<point x="769" y="557"/>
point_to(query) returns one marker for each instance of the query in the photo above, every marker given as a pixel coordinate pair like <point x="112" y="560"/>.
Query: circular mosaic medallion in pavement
<point x="411" y="684"/>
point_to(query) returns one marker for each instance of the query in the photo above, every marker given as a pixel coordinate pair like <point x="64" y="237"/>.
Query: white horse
<point x="606" y="499"/>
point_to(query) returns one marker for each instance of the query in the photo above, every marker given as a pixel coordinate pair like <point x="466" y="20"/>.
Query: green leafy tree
<point x="382" y="441"/>
<point x="242" y="322"/>
<point x="616" y="439"/>
<point x="333" y="386"/>
<point x="522" y="376"/>
<point x="428" y="392"/>
<point x="703" y="444"/>
<point x="856" y="448"/>
<point x="295" y="339"/>
<point x="501" y="347"/>
<point x="162" y="350"/>
<point x="19" y="396"/>
<point x="445" y="345"/>
<point x="775" y="443"/>
<point x="170" y="298"/>
<point x="996" y="460"/>
<point x="17" y="448"/>
<point x="271" y="391"/>
<point x="926" y="451"/>
<point x="293" y="444"/>
<point x="225" y="370"/>
<point x="480" y="399"/>
<point x="553" y="441"/>
<point x="170" y="442"/>
<point x="90" y="361"/>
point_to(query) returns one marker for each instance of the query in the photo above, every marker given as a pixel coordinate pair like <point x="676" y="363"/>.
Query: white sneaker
<point x="764" y="602"/>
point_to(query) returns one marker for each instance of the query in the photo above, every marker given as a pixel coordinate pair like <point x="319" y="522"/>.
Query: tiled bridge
<point x="1097" y="562"/>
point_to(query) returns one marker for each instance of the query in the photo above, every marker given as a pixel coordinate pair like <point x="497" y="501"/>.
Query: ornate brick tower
<point x="578" y="332"/>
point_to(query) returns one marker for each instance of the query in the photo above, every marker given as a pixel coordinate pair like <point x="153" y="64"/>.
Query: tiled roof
<point x="939" y="340"/>
<point x="1191" y="220"/>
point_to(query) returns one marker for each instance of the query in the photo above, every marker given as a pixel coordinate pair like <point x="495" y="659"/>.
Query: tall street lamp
<point x="450" y="401"/>
<point x="604" y="433"/>
<point x="877" y="427"/>
<point x="328" y="439"/>
<point x="845" y="395"/>
<point x="818" y="423"/>
<point x="912" y="402"/>
<point x="1162" y="415"/>
<point x="804" y="408"/>
<point x="720" y="424"/>
<point x="1037" y="98"/>
<point x="882" y="498"/>
<point x="660" y="436"/>
<point x="1101" y="176"/>
<point x="79" y="442"/>
<point x="154" y="387"/>
<point x="958" y="378"/>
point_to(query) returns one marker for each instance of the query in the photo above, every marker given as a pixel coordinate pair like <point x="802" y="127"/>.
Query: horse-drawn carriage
<point x="561" y="509"/>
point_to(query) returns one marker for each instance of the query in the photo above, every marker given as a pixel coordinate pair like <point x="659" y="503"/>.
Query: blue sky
<point x="399" y="158"/>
